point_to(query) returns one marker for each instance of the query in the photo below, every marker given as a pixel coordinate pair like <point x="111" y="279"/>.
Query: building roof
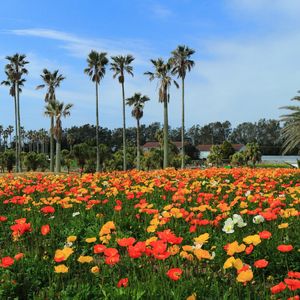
<point x="236" y="147"/>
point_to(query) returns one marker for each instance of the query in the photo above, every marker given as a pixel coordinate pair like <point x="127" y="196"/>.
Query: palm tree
<point x="15" y="69"/>
<point x="5" y="136"/>
<point x="291" y="129"/>
<point x="51" y="81"/>
<point x="181" y="63"/>
<point x="162" y="72"/>
<point x="96" y="70"/>
<point x="120" y="65"/>
<point x="1" y="133"/>
<point x="57" y="110"/>
<point x="138" y="102"/>
<point x="11" y="83"/>
<point x="10" y="130"/>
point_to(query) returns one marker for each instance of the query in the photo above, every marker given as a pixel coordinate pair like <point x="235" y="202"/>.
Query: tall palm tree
<point x="138" y="102"/>
<point x="14" y="71"/>
<point x="96" y="70"/>
<point x="120" y="65"/>
<point x="291" y="129"/>
<point x="162" y="72"/>
<point x="181" y="64"/>
<point x="57" y="110"/>
<point x="51" y="82"/>
<point x="10" y="130"/>
<point x="1" y="133"/>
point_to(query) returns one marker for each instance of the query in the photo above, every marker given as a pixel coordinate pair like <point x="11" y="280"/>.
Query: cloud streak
<point x="80" y="47"/>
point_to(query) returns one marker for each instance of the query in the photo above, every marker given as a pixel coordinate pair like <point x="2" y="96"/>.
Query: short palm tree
<point x="97" y="62"/>
<point x="57" y="110"/>
<point x="138" y="102"/>
<point x="181" y="64"/>
<point x="162" y="72"/>
<point x="291" y="129"/>
<point x="14" y="71"/>
<point x="119" y="66"/>
<point x="51" y="81"/>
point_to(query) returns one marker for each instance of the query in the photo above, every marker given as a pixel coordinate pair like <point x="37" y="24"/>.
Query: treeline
<point x="266" y="133"/>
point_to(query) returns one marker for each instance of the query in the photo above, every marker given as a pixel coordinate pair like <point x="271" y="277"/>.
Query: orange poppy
<point x="45" y="229"/>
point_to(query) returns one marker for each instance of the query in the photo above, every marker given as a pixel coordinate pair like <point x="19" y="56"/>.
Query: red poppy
<point x="261" y="263"/>
<point x="285" y="248"/>
<point x="45" y="229"/>
<point x="99" y="248"/>
<point x="122" y="282"/>
<point x="265" y="234"/>
<point x="125" y="242"/>
<point x="293" y="284"/>
<point x="47" y="209"/>
<point x="249" y="249"/>
<point x="174" y="274"/>
<point x="110" y="252"/>
<point x="278" y="288"/>
<point x="292" y="274"/>
<point x="112" y="260"/>
<point x="3" y="219"/>
<point x="6" y="262"/>
<point x="294" y="298"/>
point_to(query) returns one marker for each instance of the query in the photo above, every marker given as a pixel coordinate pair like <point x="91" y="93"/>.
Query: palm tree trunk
<point x="124" y="130"/>
<point x="166" y="134"/>
<point x="51" y="145"/>
<point x="19" y="129"/>
<point x="138" y="144"/>
<point x="97" y="132"/>
<point x="57" y="156"/>
<point x="182" y="126"/>
<point x="16" y="125"/>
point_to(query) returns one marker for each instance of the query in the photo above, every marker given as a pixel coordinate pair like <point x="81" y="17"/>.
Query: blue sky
<point x="247" y="56"/>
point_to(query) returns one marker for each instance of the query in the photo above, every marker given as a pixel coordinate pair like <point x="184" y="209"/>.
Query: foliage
<point x="9" y="159"/>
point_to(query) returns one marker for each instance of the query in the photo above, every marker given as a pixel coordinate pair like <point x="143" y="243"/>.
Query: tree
<point x="162" y="72"/>
<point x="57" y="110"/>
<point x="96" y="70"/>
<point x="181" y="64"/>
<point x="291" y="129"/>
<point x="252" y="153"/>
<point x="82" y="154"/>
<point x="51" y="81"/>
<point x="138" y="102"/>
<point x="215" y="156"/>
<point x="119" y="66"/>
<point x="14" y="71"/>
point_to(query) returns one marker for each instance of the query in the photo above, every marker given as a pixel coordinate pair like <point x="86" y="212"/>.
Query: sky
<point x="247" y="59"/>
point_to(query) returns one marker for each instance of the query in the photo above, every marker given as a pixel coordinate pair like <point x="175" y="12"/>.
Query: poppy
<point x="47" y="209"/>
<point x="45" y="229"/>
<point x="278" y="288"/>
<point x="285" y="248"/>
<point x="6" y="262"/>
<point x="99" y="248"/>
<point x="122" y="282"/>
<point x="261" y="263"/>
<point x="125" y="242"/>
<point x="265" y="234"/>
<point x="174" y="274"/>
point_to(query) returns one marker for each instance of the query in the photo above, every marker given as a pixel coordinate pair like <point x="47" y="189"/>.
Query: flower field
<point x="194" y="234"/>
